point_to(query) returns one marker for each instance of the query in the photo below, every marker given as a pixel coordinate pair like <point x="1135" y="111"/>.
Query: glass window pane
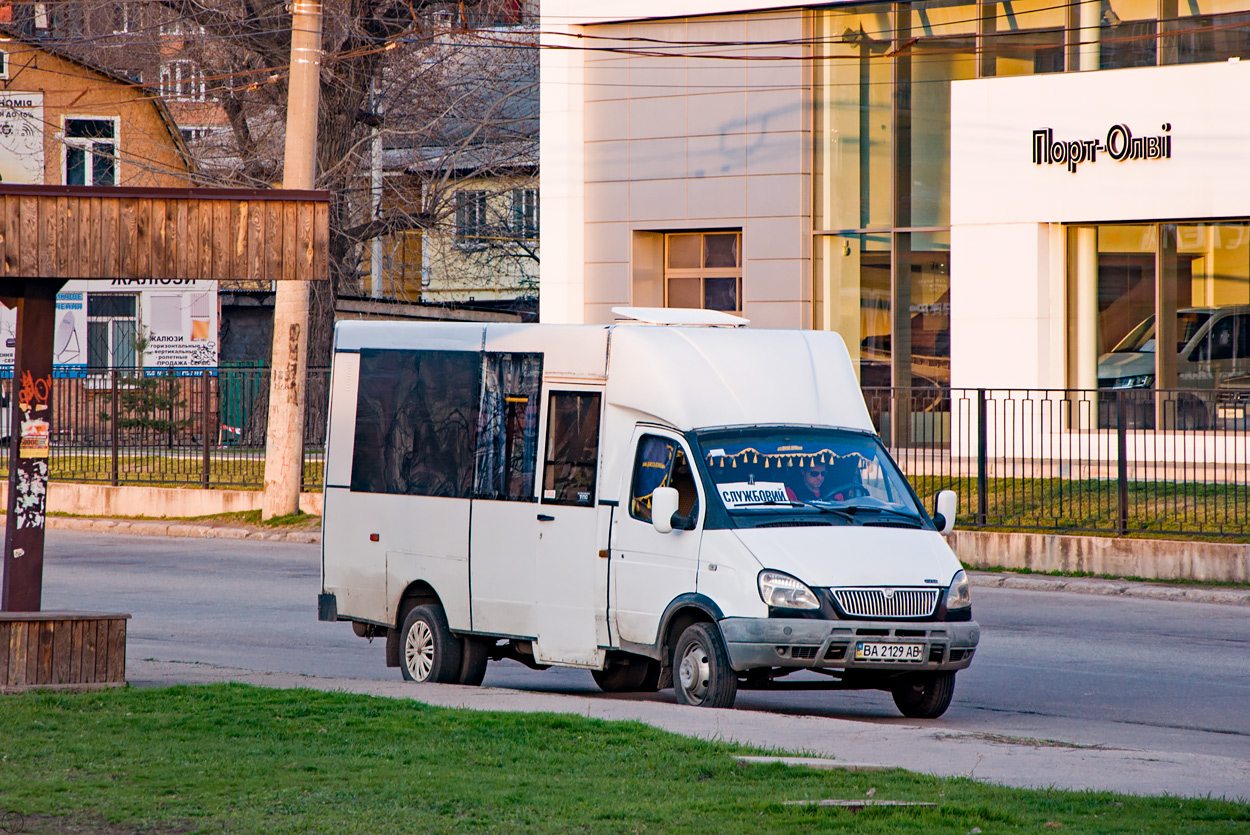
<point x="935" y="63"/>
<point x="1205" y="37"/>
<point x="103" y="170"/>
<point x="685" y="292"/>
<point x="98" y="344"/>
<point x="930" y="309"/>
<point x="662" y="462"/>
<point x="685" y="252"/>
<point x="111" y="304"/>
<point x="507" y="426"/>
<point x="416" y="422"/>
<point x="720" y="294"/>
<point x="75" y="166"/>
<point x="572" y="448"/>
<point x="854" y="132"/>
<point x="1127" y="37"/>
<point x="722" y="251"/>
<point x="89" y="128"/>
<point x="124" y="347"/>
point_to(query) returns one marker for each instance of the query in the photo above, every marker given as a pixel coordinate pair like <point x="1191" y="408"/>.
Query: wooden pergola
<point x="51" y="234"/>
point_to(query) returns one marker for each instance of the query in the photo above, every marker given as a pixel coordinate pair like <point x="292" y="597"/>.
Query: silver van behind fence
<point x="669" y="501"/>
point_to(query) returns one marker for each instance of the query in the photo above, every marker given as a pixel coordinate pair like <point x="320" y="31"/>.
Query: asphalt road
<point x="1172" y="678"/>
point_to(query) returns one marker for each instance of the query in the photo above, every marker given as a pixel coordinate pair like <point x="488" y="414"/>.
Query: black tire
<point x="924" y="695"/>
<point x="427" y="649"/>
<point x="651" y="681"/>
<point x="622" y="675"/>
<point x="475" y="652"/>
<point x="702" y="676"/>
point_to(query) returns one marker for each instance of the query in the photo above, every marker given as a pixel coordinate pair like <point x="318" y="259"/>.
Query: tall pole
<point x="375" y="184"/>
<point x="284" y="439"/>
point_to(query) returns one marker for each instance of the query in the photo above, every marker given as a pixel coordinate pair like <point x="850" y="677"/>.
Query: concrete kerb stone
<point x="155" y="527"/>
<point x="1110" y="588"/>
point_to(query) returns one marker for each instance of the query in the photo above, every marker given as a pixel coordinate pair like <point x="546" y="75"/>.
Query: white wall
<point x="994" y="178"/>
<point x="675" y="142"/>
<point x="1008" y="306"/>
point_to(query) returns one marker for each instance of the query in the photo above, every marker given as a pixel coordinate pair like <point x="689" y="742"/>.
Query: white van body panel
<point x="574" y="352"/>
<point x="504" y="539"/>
<point x="426" y="336"/>
<point x="693" y="378"/>
<point x="728" y="573"/>
<point x="854" y="556"/>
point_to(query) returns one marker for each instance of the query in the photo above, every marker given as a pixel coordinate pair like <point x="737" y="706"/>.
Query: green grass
<point x="1046" y="504"/>
<point x="236" y="759"/>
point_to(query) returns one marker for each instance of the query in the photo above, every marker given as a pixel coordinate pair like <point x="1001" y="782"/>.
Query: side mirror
<point x="663" y="506"/>
<point x="944" y="514"/>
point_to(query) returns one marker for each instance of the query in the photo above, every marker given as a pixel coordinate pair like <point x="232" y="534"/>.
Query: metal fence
<point x="172" y="427"/>
<point x="1114" y="461"/>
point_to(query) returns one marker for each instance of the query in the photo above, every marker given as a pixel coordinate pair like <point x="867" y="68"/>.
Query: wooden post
<point x="284" y="438"/>
<point x="21" y="581"/>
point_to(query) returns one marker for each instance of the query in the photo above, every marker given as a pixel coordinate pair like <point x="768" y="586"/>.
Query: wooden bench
<point x="62" y="651"/>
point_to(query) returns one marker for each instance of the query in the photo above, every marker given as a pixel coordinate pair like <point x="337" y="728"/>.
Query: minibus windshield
<point x="770" y="470"/>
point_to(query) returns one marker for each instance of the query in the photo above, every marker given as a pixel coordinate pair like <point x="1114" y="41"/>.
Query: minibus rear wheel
<point x="428" y="650"/>
<point x="701" y="673"/>
<point x="631" y="674"/>
<point x="924" y="695"/>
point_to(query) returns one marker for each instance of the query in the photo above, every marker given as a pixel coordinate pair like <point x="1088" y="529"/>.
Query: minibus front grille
<point x="876" y="603"/>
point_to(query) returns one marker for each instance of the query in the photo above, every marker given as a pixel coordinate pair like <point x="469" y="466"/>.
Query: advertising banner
<point x="21" y="138"/>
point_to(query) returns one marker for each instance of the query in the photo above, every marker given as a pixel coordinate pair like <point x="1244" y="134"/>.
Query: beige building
<point x="66" y="122"/>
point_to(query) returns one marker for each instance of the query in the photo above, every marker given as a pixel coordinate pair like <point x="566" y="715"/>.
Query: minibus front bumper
<point x="754" y="643"/>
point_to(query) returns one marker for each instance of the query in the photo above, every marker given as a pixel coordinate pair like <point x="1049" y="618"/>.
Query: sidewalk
<point x="1191" y="593"/>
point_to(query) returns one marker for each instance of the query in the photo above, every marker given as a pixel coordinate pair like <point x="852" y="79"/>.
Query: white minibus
<point x="672" y="500"/>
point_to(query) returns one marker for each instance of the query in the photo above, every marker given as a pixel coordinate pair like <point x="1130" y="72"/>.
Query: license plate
<point x="888" y="652"/>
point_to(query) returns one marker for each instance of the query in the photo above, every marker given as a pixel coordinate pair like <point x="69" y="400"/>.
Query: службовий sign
<point x="1119" y="144"/>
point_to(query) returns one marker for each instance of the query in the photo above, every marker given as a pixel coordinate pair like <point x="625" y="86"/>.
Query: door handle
<point x="542" y="517"/>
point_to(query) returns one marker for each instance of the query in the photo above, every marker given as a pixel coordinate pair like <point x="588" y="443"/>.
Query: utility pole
<point x="284" y="439"/>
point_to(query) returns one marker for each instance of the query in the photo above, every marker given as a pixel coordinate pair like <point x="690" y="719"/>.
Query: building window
<point x="471" y="220"/>
<point x="4" y="64"/>
<point x="525" y="212"/>
<point x="703" y="270"/>
<point x="90" y="152"/>
<point x="181" y="81"/>
<point x="112" y="330"/>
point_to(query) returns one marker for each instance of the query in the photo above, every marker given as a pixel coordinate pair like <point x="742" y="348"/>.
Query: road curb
<point x="1110" y="588"/>
<point x="157" y="527"/>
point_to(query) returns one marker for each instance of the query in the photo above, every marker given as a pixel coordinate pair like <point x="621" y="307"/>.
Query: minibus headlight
<point x="784" y="592"/>
<point x="959" y="595"/>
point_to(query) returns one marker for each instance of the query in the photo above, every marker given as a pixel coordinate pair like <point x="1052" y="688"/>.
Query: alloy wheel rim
<point x="419" y="651"/>
<point x="695" y="672"/>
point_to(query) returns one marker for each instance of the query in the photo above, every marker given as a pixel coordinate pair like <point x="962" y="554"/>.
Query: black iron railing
<point x="172" y="427"/>
<point x="1110" y="461"/>
<point x="1115" y="461"/>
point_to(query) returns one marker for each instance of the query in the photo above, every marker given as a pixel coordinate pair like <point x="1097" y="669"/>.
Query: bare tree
<point x="451" y="86"/>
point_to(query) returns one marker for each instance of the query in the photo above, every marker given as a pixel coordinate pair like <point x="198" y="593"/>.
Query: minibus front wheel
<point x="702" y="675"/>
<point x="428" y="650"/>
<point x="924" y="695"/>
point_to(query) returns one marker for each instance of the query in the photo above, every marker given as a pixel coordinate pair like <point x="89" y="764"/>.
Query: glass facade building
<point x="881" y="255"/>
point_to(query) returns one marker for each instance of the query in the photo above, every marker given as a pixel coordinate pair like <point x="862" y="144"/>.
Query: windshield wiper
<point x="828" y="508"/>
<point x="855" y="509"/>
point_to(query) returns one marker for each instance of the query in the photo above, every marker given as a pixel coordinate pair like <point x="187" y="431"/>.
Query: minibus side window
<point x="507" y="426"/>
<point x="661" y="462"/>
<point x="416" y="422"/>
<point x="572" y="448"/>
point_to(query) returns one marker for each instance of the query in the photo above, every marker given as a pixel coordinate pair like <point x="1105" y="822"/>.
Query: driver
<point x="811" y="485"/>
